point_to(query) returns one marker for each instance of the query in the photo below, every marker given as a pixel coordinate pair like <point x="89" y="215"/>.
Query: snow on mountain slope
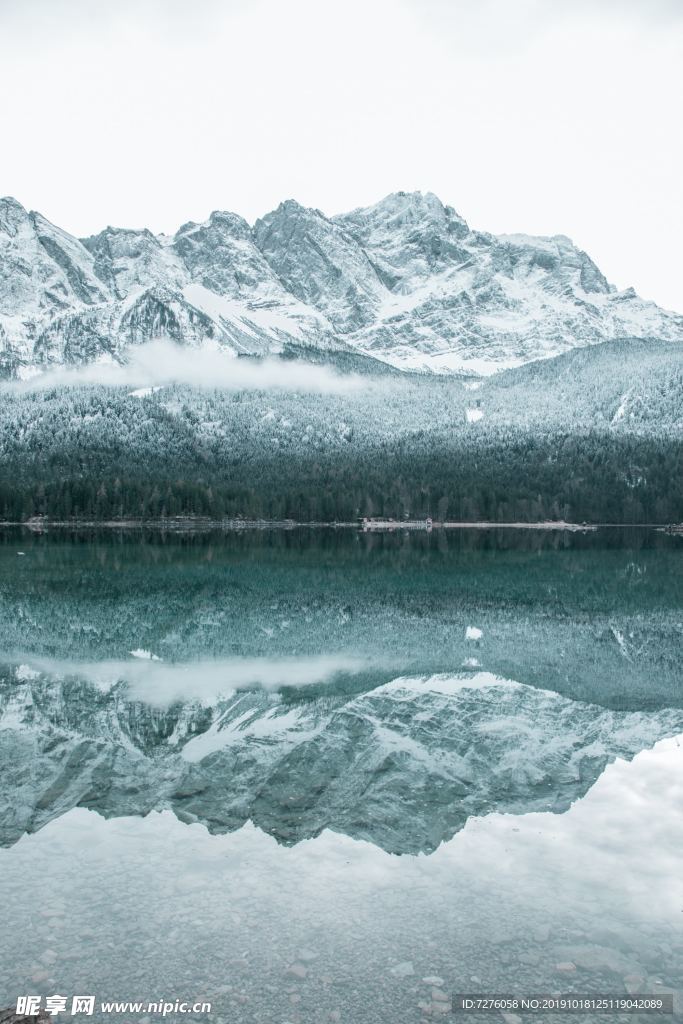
<point x="405" y="281"/>
<point x="463" y="299"/>
<point x="42" y="269"/>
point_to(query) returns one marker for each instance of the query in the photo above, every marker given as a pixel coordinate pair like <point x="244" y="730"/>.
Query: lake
<point x="319" y="775"/>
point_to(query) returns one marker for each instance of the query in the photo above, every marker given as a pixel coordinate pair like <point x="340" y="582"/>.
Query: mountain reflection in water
<point x="335" y="928"/>
<point x="213" y="748"/>
<point x="402" y="765"/>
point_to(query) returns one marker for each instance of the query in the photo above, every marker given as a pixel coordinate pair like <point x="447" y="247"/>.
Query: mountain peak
<point x="405" y="216"/>
<point x="292" y="209"/>
<point x="12" y="214"/>
<point x="223" y="220"/>
<point x="426" y="200"/>
<point x="421" y="204"/>
<point x="233" y="221"/>
<point x="404" y="281"/>
<point x="111" y="232"/>
<point x="11" y="202"/>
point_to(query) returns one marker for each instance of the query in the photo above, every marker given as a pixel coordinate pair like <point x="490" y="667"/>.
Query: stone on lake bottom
<point x="403" y="970"/>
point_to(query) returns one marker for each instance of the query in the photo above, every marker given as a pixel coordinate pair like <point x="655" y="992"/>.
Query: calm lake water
<point x="318" y="776"/>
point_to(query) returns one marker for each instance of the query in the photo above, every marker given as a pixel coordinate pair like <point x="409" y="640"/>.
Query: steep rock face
<point x="406" y="281"/>
<point x="232" y="282"/>
<point x="45" y="275"/>
<point x="72" y="258"/>
<point x="42" y="270"/>
<point x="129" y="260"/>
<point x="321" y="263"/>
<point x="221" y="256"/>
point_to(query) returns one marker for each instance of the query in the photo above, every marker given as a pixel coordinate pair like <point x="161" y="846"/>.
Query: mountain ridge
<point x="405" y="281"/>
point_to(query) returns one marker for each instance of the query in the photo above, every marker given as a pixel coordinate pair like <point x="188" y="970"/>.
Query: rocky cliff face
<point x="406" y="281"/>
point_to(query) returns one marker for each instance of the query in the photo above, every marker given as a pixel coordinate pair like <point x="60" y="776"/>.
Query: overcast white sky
<point x="543" y="116"/>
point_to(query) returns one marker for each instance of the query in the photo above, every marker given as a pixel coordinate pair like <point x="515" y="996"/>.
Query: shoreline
<point x="195" y="524"/>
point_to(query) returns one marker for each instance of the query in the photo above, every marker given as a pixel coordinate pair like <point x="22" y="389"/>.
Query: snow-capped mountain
<point x="403" y="765"/>
<point x="405" y="281"/>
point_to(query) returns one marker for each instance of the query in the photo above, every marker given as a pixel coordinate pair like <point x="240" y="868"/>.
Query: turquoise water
<point x="298" y="773"/>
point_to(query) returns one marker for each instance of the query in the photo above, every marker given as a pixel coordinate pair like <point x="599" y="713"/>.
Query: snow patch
<point x="25" y="673"/>
<point x="447" y="685"/>
<point x="144" y="392"/>
<point x="251" y="725"/>
<point x="140" y="652"/>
